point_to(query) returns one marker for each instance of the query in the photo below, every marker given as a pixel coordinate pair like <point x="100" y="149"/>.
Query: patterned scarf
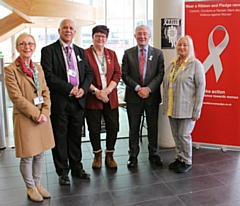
<point x="24" y="67"/>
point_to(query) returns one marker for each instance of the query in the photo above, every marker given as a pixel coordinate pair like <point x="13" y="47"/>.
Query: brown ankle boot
<point x="109" y="160"/>
<point x="97" y="161"/>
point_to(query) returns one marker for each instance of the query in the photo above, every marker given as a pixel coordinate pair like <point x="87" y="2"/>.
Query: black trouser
<point x="134" y="112"/>
<point x="67" y="129"/>
<point x="111" y="118"/>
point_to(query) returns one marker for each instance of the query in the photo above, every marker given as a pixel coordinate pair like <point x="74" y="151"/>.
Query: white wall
<point x="165" y="9"/>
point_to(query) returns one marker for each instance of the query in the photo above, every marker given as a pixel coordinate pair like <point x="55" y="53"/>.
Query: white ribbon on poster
<point x="215" y="51"/>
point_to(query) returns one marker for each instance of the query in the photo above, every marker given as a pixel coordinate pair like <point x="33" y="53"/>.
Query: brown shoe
<point x="45" y="194"/>
<point x="34" y="195"/>
<point x="109" y="160"/>
<point x="97" y="161"/>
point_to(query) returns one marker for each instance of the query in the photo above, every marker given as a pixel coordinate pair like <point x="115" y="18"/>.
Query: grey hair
<point x="61" y="23"/>
<point x="143" y="27"/>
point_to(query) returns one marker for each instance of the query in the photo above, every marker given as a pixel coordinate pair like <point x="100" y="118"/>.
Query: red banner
<point x="215" y="29"/>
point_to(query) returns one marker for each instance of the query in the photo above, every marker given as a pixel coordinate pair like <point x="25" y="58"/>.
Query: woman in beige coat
<point x="33" y="135"/>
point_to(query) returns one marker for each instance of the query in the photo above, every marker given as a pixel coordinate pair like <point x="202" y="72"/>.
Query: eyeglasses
<point x="24" y="44"/>
<point x="100" y="36"/>
<point x="142" y="34"/>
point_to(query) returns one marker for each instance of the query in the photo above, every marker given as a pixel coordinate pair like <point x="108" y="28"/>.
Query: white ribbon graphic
<point x="215" y="51"/>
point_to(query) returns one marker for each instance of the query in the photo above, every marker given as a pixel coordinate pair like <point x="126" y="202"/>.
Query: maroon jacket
<point x="113" y="73"/>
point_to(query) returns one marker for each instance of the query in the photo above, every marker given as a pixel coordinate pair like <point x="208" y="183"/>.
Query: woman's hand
<point x="42" y="119"/>
<point x="103" y="95"/>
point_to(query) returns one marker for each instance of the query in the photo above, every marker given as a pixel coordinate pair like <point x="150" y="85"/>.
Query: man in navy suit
<point x="68" y="77"/>
<point x="143" y="92"/>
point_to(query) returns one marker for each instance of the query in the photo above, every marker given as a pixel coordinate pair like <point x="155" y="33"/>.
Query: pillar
<point x="78" y="37"/>
<point x="166" y="9"/>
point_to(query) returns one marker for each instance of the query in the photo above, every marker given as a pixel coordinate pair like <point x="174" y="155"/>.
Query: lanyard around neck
<point x="35" y="76"/>
<point x="69" y="62"/>
<point x="176" y="69"/>
<point x="100" y="61"/>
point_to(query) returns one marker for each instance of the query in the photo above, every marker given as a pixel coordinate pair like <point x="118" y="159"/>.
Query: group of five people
<point x="51" y="101"/>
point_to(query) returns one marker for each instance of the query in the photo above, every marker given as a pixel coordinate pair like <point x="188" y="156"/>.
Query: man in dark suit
<point x="142" y="72"/>
<point x="68" y="77"/>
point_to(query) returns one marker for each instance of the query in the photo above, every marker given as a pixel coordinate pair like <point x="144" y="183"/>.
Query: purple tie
<point x="73" y="80"/>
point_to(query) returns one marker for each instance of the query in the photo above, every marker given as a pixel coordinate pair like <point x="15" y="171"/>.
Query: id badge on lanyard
<point x="72" y="73"/>
<point x="38" y="100"/>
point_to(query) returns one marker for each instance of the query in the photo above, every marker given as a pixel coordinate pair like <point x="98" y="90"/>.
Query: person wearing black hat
<point x="102" y="99"/>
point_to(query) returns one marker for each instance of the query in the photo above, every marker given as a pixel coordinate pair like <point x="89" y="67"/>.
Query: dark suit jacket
<point x="113" y="74"/>
<point x="153" y="78"/>
<point x="54" y="67"/>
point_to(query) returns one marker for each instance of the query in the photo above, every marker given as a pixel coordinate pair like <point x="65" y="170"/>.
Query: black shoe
<point x="155" y="159"/>
<point x="175" y="165"/>
<point x="132" y="162"/>
<point x="183" y="168"/>
<point x="82" y="175"/>
<point x="64" y="180"/>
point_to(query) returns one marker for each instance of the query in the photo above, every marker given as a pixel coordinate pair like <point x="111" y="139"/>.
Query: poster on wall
<point x="215" y="32"/>
<point x="170" y="32"/>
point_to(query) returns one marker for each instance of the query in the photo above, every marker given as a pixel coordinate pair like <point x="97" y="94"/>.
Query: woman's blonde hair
<point x="24" y="35"/>
<point x="191" y="54"/>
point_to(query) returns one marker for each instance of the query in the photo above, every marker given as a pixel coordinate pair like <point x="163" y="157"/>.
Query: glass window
<point x="144" y="14"/>
<point x="121" y="17"/>
<point x="39" y="36"/>
<point x="52" y="35"/>
<point x="120" y="24"/>
<point x="130" y="13"/>
<point x="6" y="49"/>
<point x="140" y="12"/>
<point x="150" y="18"/>
<point x="100" y="19"/>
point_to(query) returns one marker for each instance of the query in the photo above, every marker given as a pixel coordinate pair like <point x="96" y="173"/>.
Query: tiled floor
<point x="214" y="180"/>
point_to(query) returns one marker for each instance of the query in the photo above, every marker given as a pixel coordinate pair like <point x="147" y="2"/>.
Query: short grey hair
<point x="61" y="23"/>
<point x="143" y="27"/>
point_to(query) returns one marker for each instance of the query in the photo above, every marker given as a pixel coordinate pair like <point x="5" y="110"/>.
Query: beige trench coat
<point x="31" y="138"/>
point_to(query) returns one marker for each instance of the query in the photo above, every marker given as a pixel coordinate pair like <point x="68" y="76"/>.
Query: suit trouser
<point x="134" y="112"/>
<point x="181" y="130"/>
<point x="111" y="117"/>
<point x="31" y="169"/>
<point x="67" y="130"/>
